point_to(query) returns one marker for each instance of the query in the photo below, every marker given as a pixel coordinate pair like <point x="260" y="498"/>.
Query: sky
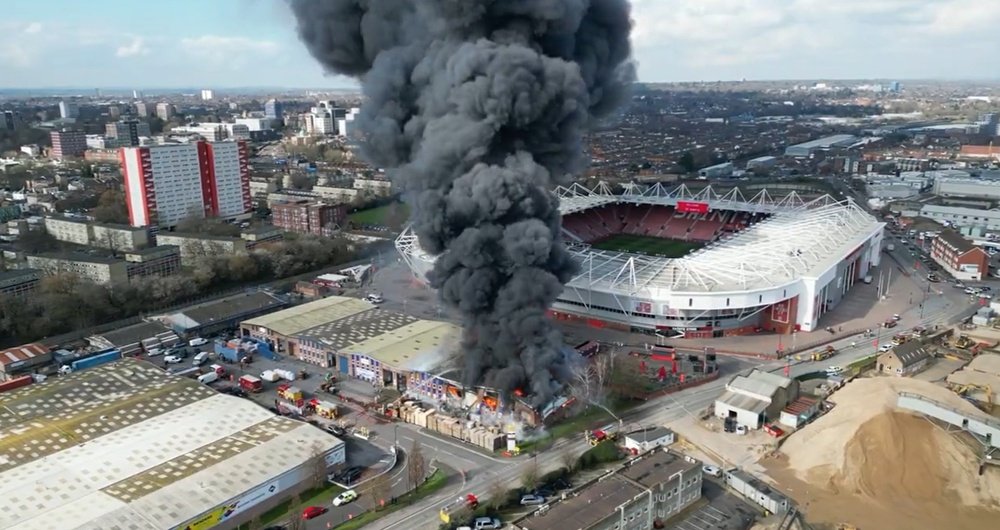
<point x="245" y="43"/>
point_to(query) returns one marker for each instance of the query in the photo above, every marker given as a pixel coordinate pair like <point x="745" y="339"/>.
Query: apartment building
<point x="640" y="495"/>
<point x="112" y="237"/>
<point x="377" y="187"/>
<point x="195" y="245"/>
<point x="959" y="256"/>
<point x="161" y="260"/>
<point x="167" y="183"/>
<point x="97" y="269"/>
<point x="68" y="144"/>
<point x="19" y="283"/>
<point x="309" y="217"/>
<point x="339" y="195"/>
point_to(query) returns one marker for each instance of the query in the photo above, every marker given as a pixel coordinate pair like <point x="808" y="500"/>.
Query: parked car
<point x="336" y="430"/>
<point x="532" y="500"/>
<point x="543" y="491"/>
<point x="486" y="522"/>
<point x="349" y="475"/>
<point x="153" y="352"/>
<point x="197" y="341"/>
<point x="834" y="370"/>
<point x="312" y="512"/>
<point x="374" y="299"/>
<point x="884" y="348"/>
<point x="345" y="497"/>
<point x="970" y="290"/>
<point x="711" y="471"/>
<point x="774" y="430"/>
<point x="172" y="359"/>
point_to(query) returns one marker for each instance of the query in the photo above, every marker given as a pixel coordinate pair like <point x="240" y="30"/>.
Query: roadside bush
<point x="604" y="453"/>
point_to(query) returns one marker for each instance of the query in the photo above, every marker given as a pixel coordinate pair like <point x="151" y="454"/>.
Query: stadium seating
<point x="600" y="223"/>
<point x="634" y="219"/>
<point x="594" y="224"/>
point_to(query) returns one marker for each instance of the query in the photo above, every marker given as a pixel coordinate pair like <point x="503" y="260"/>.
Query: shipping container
<point x="17" y="382"/>
<point x="96" y="360"/>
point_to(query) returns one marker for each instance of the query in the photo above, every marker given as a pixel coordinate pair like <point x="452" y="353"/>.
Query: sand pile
<point x="872" y="465"/>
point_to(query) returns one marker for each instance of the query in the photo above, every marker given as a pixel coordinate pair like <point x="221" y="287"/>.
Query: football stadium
<point x="690" y="263"/>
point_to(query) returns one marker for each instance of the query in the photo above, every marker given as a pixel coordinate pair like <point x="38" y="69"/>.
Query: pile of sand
<point x="872" y="465"/>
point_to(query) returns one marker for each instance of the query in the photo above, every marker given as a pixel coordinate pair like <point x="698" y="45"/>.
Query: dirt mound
<point x="872" y="465"/>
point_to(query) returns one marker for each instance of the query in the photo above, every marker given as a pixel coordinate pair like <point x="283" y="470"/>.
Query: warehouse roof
<point x="758" y="383"/>
<point x="743" y="402"/>
<point x="134" y="333"/>
<point x="359" y="327"/>
<point x="591" y="505"/>
<point x="658" y="466"/>
<point x="231" y="307"/>
<point x="22" y="353"/>
<point x="125" y="445"/>
<point x="827" y="141"/>
<point x="419" y="346"/>
<point x="298" y="319"/>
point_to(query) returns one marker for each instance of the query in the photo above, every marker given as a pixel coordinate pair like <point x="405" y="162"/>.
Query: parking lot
<point x="724" y="511"/>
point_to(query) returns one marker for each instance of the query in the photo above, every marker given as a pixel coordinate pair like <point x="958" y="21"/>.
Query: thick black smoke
<point x="478" y="107"/>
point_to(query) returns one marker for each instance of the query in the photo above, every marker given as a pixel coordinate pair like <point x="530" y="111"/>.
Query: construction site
<point x="909" y="441"/>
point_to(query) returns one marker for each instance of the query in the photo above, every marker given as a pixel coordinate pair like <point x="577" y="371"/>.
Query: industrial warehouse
<point x="358" y="339"/>
<point x="125" y="445"/>
<point x="702" y="264"/>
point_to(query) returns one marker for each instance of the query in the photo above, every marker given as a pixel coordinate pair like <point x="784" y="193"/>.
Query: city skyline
<point x="248" y="43"/>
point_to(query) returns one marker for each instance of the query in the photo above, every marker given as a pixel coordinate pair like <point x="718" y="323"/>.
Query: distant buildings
<point x="68" y="110"/>
<point x="273" y="110"/>
<point x="126" y="133"/>
<point x="9" y="120"/>
<point x="377" y="187"/>
<point x="807" y="149"/>
<point x="68" y="143"/>
<point x="309" y="217"/>
<point x="142" y="109"/>
<point x="207" y="95"/>
<point x="347" y="124"/>
<point x="322" y="119"/>
<point x="163" y="260"/>
<point x="19" y="282"/>
<point x="215" y="131"/>
<point x="723" y="170"/>
<point x="959" y="256"/>
<point x="165" y="111"/>
<point x="960" y="216"/>
<point x="166" y="183"/>
<point x="115" y="238"/>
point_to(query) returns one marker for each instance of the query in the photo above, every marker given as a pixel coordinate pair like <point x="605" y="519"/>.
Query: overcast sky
<point x="225" y="43"/>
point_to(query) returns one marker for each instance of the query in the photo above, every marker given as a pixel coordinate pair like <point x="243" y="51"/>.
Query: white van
<point x="197" y="341"/>
<point x="200" y="359"/>
<point x="210" y="377"/>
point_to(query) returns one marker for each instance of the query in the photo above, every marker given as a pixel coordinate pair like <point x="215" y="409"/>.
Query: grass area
<point x="602" y="453"/>
<point x="314" y="496"/>
<point x="652" y="246"/>
<point x="435" y="482"/>
<point x="575" y="426"/>
<point x="388" y="215"/>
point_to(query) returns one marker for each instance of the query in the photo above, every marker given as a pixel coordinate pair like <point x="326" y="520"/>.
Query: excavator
<point x="966" y="390"/>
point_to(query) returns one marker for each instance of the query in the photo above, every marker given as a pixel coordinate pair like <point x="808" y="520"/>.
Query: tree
<point x="416" y="466"/>
<point x="111" y="208"/>
<point x="686" y="162"/>
<point x="569" y="460"/>
<point x="378" y="488"/>
<point x="113" y="240"/>
<point x="530" y="476"/>
<point x="295" y="514"/>
<point x="317" y="467"/>
<point x="497" y="494"/>
<point x="590" y="380"/>
<point x="37" y="241"/>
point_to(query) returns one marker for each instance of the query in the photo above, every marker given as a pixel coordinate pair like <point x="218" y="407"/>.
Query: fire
<point x="518" y="392"/>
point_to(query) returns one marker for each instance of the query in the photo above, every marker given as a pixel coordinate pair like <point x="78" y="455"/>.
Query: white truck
<point x="270" y="376"/>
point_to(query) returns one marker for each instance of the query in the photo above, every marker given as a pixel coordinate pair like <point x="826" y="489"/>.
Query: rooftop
<point x="650" y="433"/>
<point x="358" y="327"/>
<point x="124" y="445"/>
<point x="743" y="402"/>
<point x="758" y="383"/>
<point x="418" y="346"/>
<point x="592" y="505"/>
<point x="658" y="467"/>
<point x="956" y="241"/>
<point x="828" y="141"/>
<point x="295" y="320"/>
<point x="800" y="240"/>
<point x="79" y="257"/>
<point x="22" y="353"/>
<point x="911" y="352"/>
<point x="231" y="307"/>
<point x="134" y="333"/>
<point x="17" y="273"/>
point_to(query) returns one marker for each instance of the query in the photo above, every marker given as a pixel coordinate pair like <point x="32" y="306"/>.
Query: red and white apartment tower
<point x="166" y="183"/>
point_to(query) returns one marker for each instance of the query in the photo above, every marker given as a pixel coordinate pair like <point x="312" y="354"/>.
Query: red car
<point x="774" y="430"/>
<point x="311" y="512"/>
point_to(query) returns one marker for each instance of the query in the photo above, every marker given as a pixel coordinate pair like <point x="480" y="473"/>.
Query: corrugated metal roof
<point x="743" y="402"/>
<point x="22" y="353"/>
<point x="297" y="319"/>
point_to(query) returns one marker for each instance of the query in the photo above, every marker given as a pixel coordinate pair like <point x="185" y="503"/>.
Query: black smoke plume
<point x="478" y="109"/>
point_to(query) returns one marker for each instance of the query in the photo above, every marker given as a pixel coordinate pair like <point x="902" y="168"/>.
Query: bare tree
<point x="378" y="488"/>
<point x="497" y="494"/>
<point x="590" y="381"/>
<point x="530" y="476"/>
<point x="317" y="467"/>
<point x="569" y="460"/>
<point x="295" y="514"/>
<point x="416" y="465"/>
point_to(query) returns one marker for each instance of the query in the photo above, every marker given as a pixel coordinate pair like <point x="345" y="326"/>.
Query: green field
<point x="391" y="215"/>
<point x="652" y="246"/>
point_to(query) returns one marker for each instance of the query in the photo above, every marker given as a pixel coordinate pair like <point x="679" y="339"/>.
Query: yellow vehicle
<point x="824" y="354"/>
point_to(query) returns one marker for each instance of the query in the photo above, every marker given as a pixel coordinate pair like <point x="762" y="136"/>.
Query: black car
<point x="349" y="475"/>
<point x="562" y="484"/>
<point x="544" y="492"/>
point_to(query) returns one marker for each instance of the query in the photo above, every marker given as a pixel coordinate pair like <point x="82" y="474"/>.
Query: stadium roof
<point x="127" y="446"/>
<point x="801" y="239"/>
